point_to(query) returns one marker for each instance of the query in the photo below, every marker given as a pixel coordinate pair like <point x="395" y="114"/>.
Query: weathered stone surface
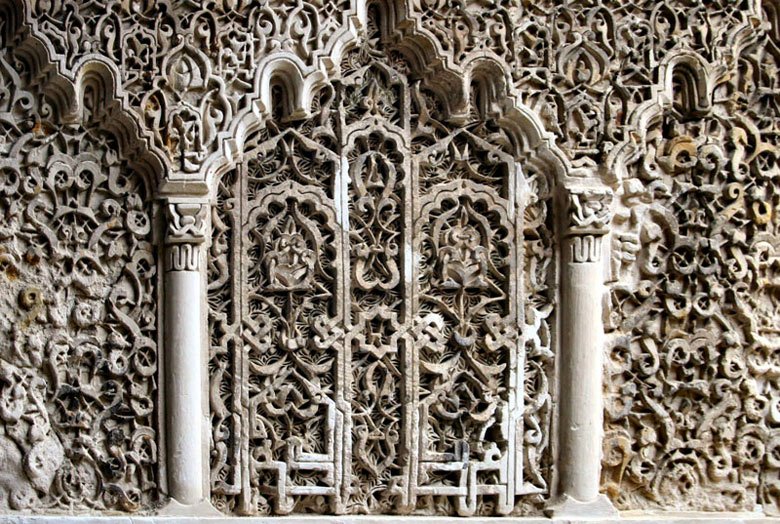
<point x="79" y="327"/>
<point x="271" y="257"/>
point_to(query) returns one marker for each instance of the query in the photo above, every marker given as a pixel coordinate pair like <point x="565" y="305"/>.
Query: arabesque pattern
<point x="78" y="387"/>
<point x="392" y="184"/>
<point x="379" y="326"/>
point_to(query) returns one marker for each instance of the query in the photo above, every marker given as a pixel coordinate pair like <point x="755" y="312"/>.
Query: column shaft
<point x="581" y="353"/>
<point x="581" y="404"/>
<point x="184" y="386"/>
<point x="184" y="402"/>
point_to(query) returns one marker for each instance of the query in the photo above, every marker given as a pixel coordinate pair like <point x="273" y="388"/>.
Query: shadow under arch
<point x="686" y="82"/>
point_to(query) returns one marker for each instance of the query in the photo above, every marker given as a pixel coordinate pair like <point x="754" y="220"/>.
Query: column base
<point x="567" y="508"/>
<point x="174" y="508"/>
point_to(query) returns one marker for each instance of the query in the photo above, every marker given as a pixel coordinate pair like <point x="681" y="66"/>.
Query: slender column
<point x="582" y="347"/>
<point x="185" y="232"/>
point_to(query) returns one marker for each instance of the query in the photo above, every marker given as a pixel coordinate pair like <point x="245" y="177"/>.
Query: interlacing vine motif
<point x="188" y="68"/>
<point x="382" y="268"/>
<point x="379" y="342"/>
<point x="78" y="366"/>
<point x="692" y="390"/>
<point x="379" y="204"/>
<point x="280" y="331"/>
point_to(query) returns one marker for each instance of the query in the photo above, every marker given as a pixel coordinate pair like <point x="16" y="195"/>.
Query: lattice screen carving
<point x="366" y="291"/>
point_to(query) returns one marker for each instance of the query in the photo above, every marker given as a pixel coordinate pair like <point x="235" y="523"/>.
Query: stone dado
<point x="332" y="258"/>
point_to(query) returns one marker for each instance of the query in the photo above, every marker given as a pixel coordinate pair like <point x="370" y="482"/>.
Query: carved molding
<point x="189" y="127"/>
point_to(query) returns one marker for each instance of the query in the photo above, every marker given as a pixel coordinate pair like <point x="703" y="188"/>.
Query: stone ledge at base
<point x="569" y="509"/>
<point x="625" y="518"/>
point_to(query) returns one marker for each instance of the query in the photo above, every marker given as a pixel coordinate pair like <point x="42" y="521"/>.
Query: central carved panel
<point x="366" y="312"/>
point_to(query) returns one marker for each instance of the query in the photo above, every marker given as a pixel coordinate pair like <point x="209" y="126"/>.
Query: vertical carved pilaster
<point x="186" y="229"/>
<point x="582" y="340"/>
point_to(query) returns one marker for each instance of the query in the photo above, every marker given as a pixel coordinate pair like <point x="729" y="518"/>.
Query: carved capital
<point x="588" y="216"/>
<point x="588" y="210"/>
<point x="185" y="230"/>
<point x="584" y="248"/>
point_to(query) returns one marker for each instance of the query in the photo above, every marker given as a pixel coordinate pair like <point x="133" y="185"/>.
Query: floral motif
<point x="78" y="369"/>
<point x="383" y="260"/>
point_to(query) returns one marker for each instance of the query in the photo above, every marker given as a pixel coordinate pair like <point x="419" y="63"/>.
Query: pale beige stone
<point x="335" y="257"/>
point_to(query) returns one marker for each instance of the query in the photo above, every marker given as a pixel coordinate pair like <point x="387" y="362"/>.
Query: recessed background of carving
<point x="78" y="365"/>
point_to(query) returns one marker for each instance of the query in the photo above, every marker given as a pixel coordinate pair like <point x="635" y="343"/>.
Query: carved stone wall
<point x="78" y="363"/>
<point x="475" y="258"/>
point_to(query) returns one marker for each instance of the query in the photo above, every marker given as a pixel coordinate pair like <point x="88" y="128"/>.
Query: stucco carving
<point x="690" y="421"/>
<point x="186" y="229"/>
<point x="79" y="330"/>
<point x="365" y="261"/>
<point x="403" y="212"/>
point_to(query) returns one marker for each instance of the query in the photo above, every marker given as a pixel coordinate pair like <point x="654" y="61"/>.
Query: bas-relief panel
<point x="382" y="273"/>
<point x="365" y="325"/>
<point x="78" y="334"/>
<point x="691" y="413"/>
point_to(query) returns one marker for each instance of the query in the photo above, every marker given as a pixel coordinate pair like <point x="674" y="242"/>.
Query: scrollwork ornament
<point x="588" y="209"/>
<point x="78" y="387"/>
<point x="382" y="260"/>
<point x="693" y="249"/>
<point x="357" y="253"/>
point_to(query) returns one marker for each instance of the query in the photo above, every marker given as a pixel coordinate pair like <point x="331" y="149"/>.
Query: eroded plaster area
<point x="691" y="377"/>
<point x="78" y="364"/>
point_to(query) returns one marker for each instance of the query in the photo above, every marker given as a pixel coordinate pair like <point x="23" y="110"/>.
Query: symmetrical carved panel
<point x="366" y="310"/>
